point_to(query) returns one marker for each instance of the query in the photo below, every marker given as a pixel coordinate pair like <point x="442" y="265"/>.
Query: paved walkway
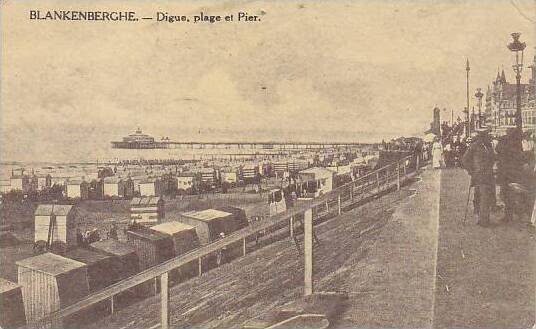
<point x="489" y="272"/>
<point x="397" y="277"/>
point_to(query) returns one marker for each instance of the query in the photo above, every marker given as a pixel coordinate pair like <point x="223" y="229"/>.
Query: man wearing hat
<point x="478" y="160"/>
<point x="510" y="168"/>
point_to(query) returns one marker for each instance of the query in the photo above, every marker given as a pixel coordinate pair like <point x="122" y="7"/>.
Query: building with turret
<point x="529" y="111"/>
<point x="501" y="103"/>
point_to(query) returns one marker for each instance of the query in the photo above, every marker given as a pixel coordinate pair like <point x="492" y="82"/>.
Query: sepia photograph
<point x="263" y="164"/>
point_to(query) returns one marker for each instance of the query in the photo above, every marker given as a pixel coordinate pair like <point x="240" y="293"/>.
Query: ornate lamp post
<point x="517" y="47"/>
<point x="479" y="96"/>
<point x="468" y="123"/>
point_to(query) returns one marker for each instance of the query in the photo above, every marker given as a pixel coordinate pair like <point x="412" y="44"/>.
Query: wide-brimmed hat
<point x="482" y="130"/>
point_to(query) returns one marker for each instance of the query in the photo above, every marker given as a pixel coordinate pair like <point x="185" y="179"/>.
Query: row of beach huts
<point x="50" y="281"/>
<point x="129" y="181"/>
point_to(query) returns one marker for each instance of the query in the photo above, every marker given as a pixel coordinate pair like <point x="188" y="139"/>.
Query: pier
<point x="244" y="145"/>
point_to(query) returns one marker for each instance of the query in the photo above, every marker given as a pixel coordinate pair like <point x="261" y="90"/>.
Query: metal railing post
<point x="339" y="204"/>
<point x="378" y="181"/>
<point x="398" y="176"/>
<point x="199" y="267"/>
<point x="164" y="294"/>
<point x="291" y="227"/>
<point x="244" y="247"/>
<point x="112" y="305"/>
<point x="308" y="252"/>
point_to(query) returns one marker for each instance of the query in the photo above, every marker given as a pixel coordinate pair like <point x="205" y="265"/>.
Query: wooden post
<point x="351" y="192"/>
<point x="339" y="202"/>
<point x="418" y="156"/>
<point x="327" y="206"/>
<point x="164" y="294"/>
<point x="308" y="252"/>
<point x="155" y="285"/>
<point x="398" y="176"/>
<point x="199" y="267"/>
<point x="244" y="247"/>
<point x="112" y="305"/>
<point x="291" y="226"/>
<point x="404" y="168"/>
<point x="378" y="181"/>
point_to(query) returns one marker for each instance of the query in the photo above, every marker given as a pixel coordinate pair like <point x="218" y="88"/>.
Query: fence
<point x="375" y="183"/>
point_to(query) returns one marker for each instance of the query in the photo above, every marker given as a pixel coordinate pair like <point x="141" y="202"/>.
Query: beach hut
<point x="5" y="186"/>
<point x="50" y="282"/>
<point x="230" y="176"/>
<point x="184" y="239"/>
<point x="125" y="264"/>
<point x="210" y="223"/>
<point x="11" y="305"/>
<point x="20" y="182"/>
<point x="41" y="181"/>
<point x="99" y="267"/>
<point x="151" y="247"/>
<point x="126" y="261"/>
<point x="186" y="182"/>
<point x="147" y="187"/>
<point x="239" y="216"/>
<point x="208" y="176"/>
<point x="297" y="165"/>
<point x="57" y="222"/>
<point x="316" y="181"/>
<point x="184" y="236"/>
<point x="147" y="210"/>
<point x="77" y="189"/>
<point x="126" y="189"/>
<point x="111" y="186"/>
<point x="279" y="168"/>
<point x="276" y="202"/>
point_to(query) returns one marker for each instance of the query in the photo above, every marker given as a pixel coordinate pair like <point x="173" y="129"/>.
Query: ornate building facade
<point x="500" y="104"/>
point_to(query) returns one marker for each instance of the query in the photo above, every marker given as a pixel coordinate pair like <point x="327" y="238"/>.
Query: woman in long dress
<point x="437" y="154"/>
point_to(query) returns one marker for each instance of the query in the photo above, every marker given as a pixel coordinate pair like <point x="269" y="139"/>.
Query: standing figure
<point x="113" y="232"/>
<point x="220" y="255"/>
<point x="478" y="161"/>
<point x="437" y="153"/>
<point x="510" y="169"/>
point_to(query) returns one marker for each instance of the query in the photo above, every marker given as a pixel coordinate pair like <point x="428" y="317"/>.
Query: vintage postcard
<point x="267" y="164"/>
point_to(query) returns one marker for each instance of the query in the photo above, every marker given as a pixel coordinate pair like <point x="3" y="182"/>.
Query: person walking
<point x="510" y="162"/>
<point x="437" y="153"/>
<point x="478" y="160"/>
<point x="220" y="255"/>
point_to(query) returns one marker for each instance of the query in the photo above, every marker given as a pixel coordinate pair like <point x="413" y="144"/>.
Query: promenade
<point x="404" y="259"/>
<point x="489" y="272"/>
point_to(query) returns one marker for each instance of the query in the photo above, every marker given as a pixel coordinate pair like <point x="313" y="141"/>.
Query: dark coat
<point x="478" y="160"/>
<point x="510" y="161"/>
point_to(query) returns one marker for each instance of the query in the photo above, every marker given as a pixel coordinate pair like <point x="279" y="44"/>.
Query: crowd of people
<point x="505" y="161"/>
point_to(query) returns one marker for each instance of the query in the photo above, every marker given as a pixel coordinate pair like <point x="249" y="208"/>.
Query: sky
<point x="309" y="71"/>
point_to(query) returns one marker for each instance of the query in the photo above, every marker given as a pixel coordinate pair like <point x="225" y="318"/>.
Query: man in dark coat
<point x="478" y="160"/>
<point x="510" y="168"/>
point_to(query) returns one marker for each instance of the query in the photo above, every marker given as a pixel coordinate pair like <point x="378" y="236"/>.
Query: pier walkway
<point x="404" y="259"/>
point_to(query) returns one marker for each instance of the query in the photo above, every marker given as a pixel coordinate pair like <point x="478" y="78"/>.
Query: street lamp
<point x="479" y="96"/>
<point x="517" y="47"/>
<point x="467" y="126"/>
<point x="468" y="123"/>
